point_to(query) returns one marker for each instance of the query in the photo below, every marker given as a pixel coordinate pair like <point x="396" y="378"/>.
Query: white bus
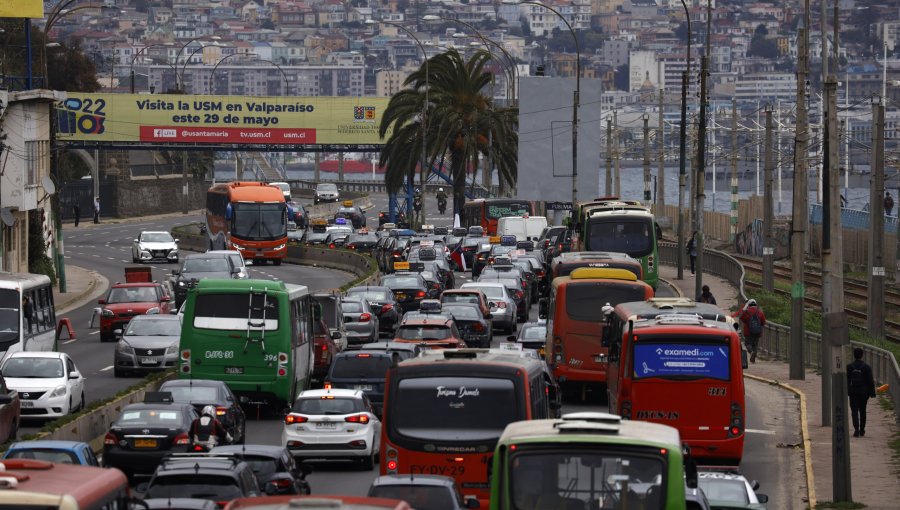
<point x="27" y="314"/>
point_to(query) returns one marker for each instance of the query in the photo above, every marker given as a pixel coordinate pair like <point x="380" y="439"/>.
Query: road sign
<point x="558" y="206"/>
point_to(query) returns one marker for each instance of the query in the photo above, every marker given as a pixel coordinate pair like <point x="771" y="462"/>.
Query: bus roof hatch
<point x="576" y="427"/>
<point x="611" y="273"/>
<point x="669" y="303"/>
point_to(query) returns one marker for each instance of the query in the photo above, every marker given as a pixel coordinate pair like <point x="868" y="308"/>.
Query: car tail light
<point x="110" y="439"/>
<point x="220" y="411"/>
<point x="324" y="347"/>
<point x="381" y="215"/>
<point x="540" y="274"/>
<point x="181" y="439"/>
<point x="358" y="418"/>
<point x="295" y="444"/>
<point x="386" y="308"/>
<point x="331" y="246"/>
<point x="520" y="294"/>
<point x="365" y="317"/>
<point x="524" y="284"/>
<point x="478" y="327"/>
<point x="435" y="285"/>
<point x="420" y="294"/>
<point x="396" y="255"/>
<point x="546" y="243"/>
<point x="501" y="304"/>
<point x="292" y="418"/>
<point x="327" y="385"/>
<point x="282" y="484"/>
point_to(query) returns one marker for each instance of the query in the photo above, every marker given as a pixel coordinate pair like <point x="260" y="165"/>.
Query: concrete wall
<point x="144" y="197"/>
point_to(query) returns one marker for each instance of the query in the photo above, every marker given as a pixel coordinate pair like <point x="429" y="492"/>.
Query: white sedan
<point x="333" y="424"/>
<point x="151" y="246"/>
<point x="48" y="383"/>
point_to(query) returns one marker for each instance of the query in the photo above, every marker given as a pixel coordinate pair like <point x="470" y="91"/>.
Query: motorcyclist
<point x="207" y="431"/>
<point x="441" y="200"/>
<point x="417" y="200"/>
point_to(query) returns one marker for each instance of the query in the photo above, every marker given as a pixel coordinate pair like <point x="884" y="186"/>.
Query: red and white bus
<point x="485" y="212"/>
<point x="445" y="410"/>
<point x="250" y="217"/>
<point x="575" y="321"/>
<point x="680" y="363"/>
<point x="40" y="485"/>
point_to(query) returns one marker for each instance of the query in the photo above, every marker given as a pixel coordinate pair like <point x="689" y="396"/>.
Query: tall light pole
<point x="575" y="99"/>
<point x="138" y="54"/>
<point x="180" y="50"/>
<point x="212" y="75"/>
<point x="409" y="209"/>
<point x="682" y="152"/>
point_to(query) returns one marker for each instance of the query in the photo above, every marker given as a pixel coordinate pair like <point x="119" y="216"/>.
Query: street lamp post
<point x="138" y="54"/>
<point x="212" y="74"/>
<point x="576" y="99"/>
<point x="682" y="152"/>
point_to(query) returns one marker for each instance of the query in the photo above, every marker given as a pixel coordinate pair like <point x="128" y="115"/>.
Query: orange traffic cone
<point x="882" y="389"/>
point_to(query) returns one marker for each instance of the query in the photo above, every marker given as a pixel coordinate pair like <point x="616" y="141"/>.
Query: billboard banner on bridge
<point x="175" y="118"/>
<point x="21" y="9"/>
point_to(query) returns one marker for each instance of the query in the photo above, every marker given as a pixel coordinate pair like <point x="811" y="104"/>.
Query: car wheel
<point x="117" y="372"/>
<point x="133" y="259"/>
<point x="277" y="262"/>
<point x="368" y="462"/>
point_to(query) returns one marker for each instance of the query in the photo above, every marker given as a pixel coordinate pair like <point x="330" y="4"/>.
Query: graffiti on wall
<point x="749" y="241"/>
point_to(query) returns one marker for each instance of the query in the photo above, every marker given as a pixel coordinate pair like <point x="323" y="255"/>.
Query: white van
<point x="525" y="228"/>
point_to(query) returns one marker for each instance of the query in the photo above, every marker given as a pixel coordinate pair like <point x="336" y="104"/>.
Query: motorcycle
<point x="442" y="204"/>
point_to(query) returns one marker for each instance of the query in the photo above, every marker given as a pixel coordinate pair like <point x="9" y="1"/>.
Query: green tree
<point x="761" y="45"/>
<point x="462" y="123"/>
<point x="69" y="69"/>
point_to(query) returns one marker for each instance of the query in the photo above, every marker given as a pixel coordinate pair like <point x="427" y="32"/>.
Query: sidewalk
<point x="88" y="221"/>
<point x="875" y="480"/>
<point x="82" y="286"/>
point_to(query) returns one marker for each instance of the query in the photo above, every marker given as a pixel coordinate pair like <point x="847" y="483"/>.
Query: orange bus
<point x="250" y="217"/>
<point x="574" y="321"/>
<point x="680" y="363"/>
<point x="565" y="263"/>
<point x="445" y="410"/>
<point x="485" y="212"/>
<point x="37" y="484"/>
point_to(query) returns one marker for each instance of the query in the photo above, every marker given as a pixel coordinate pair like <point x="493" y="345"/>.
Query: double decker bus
<point x="590" y="460"/>
<point x="255" y="335"/>
<point x="575" y="321"/>
<point x="485" y="212"/>
<point x="251" y="217"/>
<point x="41" y="485"/>
<point x="622" y="226"/>
<point x="27" y="314"/>
<point x="680" y="363"/>
<point x="445" y="409"/>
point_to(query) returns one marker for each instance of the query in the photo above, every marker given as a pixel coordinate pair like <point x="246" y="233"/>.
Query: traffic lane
<point x="773" y="453"/>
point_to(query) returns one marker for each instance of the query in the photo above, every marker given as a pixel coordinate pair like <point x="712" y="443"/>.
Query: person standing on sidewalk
<point x="753" y="319"/>
<point x="860" y="387"/>
<point x="97" y="210"/>
<point x="888" y="203"/>
<point x="692" y="250"/>
<point x="77" y="210"/>
<point x="706" y="296"/>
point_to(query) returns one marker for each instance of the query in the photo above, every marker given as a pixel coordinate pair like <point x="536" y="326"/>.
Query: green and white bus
<point x="255" y="335"/>
<point x="590" y="460"/>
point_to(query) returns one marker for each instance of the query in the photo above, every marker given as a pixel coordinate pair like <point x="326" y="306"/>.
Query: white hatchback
<point x="48" y="383"/>
<point x="333" y="424"/>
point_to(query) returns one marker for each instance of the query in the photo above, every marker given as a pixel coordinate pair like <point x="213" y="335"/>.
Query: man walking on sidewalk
<point x="97" y="210"/>
<point x="860" y="386"/>
<point x="753" y="319"/>
<point x="77" y="210"/>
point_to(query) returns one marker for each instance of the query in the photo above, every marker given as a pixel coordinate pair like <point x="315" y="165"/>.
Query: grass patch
<point x="841" y="505"/>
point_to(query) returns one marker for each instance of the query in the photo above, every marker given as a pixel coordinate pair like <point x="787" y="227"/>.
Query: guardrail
<point x="775" y="340"/>
<point x="380" y="187"/>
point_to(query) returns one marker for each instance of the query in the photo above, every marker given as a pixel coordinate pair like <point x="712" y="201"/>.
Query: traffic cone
<point x="882" y="389"/>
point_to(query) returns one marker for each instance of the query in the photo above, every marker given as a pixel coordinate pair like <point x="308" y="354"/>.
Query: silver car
<point x="503" y="305"/>
<point x="149" y="343"/>
<point x="237" y="260"/>
<point x="360" y="322"/>
<point x="156" y="245"/>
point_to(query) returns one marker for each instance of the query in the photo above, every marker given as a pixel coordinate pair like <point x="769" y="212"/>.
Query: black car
<point x="480" y="259"/>
<point x="363" y="243"/>
<point x="204" y="392"/>
<point x="409" y="289"/>
<point x="356" y="215"/>
<point x="275" y="468"/>
<point x="475" y="329"/>
<point x="383" y="304"/>
<point x="363" y="370"/>
<point x="199" y="266"/>
<point x="217" y="478"/>
<point x="143" y="434"/>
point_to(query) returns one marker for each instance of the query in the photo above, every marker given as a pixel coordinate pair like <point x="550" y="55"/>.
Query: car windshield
<point x="585" y="298"/>
<point x="156" y="237"/>
<point x="259" y="222"/>
<point x="371" y="295"/>
<point x="262" y="466"/>
<point x="423" y="333"/>
<point x="459" y="298"/>
<point x="33" y="368"/>
<point x="463" y="312"/>
<point x="205" y="265"/>
<point x="402" y="282"/>
<point x="533" y="333"/>
<point x="352" y="307"/>
<point x="132" y="295"/>
<point x="489" y="291"/>
<point x="424" y="497"/>
<point x="149" y="418"/>
<point x="720" y="489"/>
<point x="327" y="188"/>
<point x="327" y="405"/>
<point x="153" y="327"/>
<point x="45" y="454"/>
<point x="191" y="394"/>
<point x="474" y="241"/>
<point x="236" y="312"/>
<point x="366" y="238"/>
<point x="632" y="236"/>
<point x="359" y="366"/>
<point x="196" y="486"/>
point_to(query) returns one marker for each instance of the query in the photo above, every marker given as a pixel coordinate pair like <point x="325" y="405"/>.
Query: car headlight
<point x="173" y="251"/>
<point x="106" y="312"/>
<point x="153" y="310"/>
<point x="124" y="348"/>
<point x="181" y="283"/>
<point x="172" y="349"/>
<point x="58" y="392"/>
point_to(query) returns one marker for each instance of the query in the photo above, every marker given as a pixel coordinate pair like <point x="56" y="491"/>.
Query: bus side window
<point x="305" y="323"/>
<point x="46" y="313"/>
<point x="295" y="323"/>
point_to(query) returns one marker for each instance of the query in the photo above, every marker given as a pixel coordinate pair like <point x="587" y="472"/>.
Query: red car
<point x="125" y="300"/>
<point x="435" y="333"/>
<point x="325" y="349"/>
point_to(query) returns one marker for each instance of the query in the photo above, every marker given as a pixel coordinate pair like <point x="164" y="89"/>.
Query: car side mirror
<point x="177" y="241"/>
<point x="762" y="498"/>
<point x="101" y="301"/>
<point x="690" y="472"/>
<point x="511" y="338"/>
<point x="336" y="335"/>
<point x="142" y="487"/>
<point x="5" y="398"/>
<point x="117" y="333"/>
<point x="543" y="306"/>
<point x="74" y="374"/>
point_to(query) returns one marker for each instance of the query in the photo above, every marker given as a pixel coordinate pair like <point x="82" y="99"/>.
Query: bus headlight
<point x="60" y="391"/>
<point x="280" y="247"/>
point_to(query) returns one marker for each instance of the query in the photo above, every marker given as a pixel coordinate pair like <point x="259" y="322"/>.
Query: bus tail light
<point x="650" y="262"/>
<point x="358" y="418"/>
<point x="181" y="439"/>
<point x="626" y="409"/>
<point x="282" y="371"/>
<point x="736" y="427"/>
<point x="365" y="317"/>
<point x="392" y="466"/>
<point x="185" y="355"/>
<point x="282" y="358"/>
<point x="292" y="418"/>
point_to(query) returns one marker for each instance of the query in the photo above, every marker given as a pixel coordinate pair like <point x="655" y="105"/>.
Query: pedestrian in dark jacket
<point x="77" y="210"/>
<point x="753" y="320"/>
<point x="692" y="250"/>
<point x="860" y="387"/>
<point x="706" y="296"/>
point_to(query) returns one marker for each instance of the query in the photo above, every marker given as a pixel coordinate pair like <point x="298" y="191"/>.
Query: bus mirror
<point x="605" y="336"/>
<point x="762" y="498"/>
<point x="473" y="503"/>
<point x="744" y="364"/>
<point x="542" y="308"/>
<point x="317" y="311"/>
<point x="690" y="471"/>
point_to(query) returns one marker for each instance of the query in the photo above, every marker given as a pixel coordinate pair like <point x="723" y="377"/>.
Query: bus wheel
<point x="277" y="262"/>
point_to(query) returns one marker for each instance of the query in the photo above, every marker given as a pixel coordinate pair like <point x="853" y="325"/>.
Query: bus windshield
<point x="9" y="315"/>
<point x="586" y="477"/>
<point x="503" y="209"/>
<point x="679" y="360"/>
<point x="232" y="312"/>
<point x="456" y="408"/>
<point x="259" y="222"/>
<point x="624" y="235"/>
<point x="585" y="299"/>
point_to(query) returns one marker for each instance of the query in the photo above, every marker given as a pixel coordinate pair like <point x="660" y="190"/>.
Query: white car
<point x="48" y="383"/>
<point x="326" y="192"/>
<point x="237" y="260"/>
<point x="333" y="424"/>
<point x="155" y="245"/>
<point x="731" y="490"/>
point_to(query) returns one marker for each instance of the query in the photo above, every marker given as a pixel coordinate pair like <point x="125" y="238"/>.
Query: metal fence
<point x="379" y="187"/>
<point x="775" y="341"/>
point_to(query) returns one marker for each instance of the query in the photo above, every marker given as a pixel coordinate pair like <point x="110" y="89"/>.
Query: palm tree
<point x="461" y="123"/>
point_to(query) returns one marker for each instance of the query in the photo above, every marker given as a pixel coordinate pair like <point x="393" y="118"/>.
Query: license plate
<point x="326" y="425"/>
<point x="149" y="361"/>
<point x="26" y="403"/>
<point x="364" y="387"/>
<point x="234" y="370"/>
<point x="145" y="443"/>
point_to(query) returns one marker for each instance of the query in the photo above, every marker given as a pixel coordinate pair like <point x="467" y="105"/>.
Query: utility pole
<point x="618" y="177"/>
<point x="734" y="169"/>
<point x="876" y="241"/>
<point x="661" y="168"/>
<point x="609" y="157"/>
<point x="769" y="211"/>
<point x="647" y="194"/>
<point x="800" y="206"/>
<point x="184" y="183"/>
<point x="682" y="173"/>
<point x="835" y="334"/>
<point x="701" y="171"/>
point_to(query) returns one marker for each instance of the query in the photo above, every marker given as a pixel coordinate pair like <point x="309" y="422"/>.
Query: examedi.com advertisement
<point x="681" y="359"/>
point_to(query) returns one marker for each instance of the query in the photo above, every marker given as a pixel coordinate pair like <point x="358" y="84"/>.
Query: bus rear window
<point x="633" y="237"/>
<point x="230" y="312"/>
<point x="449" y="409"/>
<point x="584" y="300"/>
<point x="502" y="210"/>
<point x="691" y="360"/>
<point x="9" y="314"/>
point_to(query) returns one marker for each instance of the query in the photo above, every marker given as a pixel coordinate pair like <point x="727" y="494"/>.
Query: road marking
<point x="757" y="431"/>
<point x="123" y="261"/>
<point x="67" y="342"/>
<point x="110" y="258"/>
<point x="95" y="255"/>
<point x="94" y="332"/>
<point x="106" y="369"/>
